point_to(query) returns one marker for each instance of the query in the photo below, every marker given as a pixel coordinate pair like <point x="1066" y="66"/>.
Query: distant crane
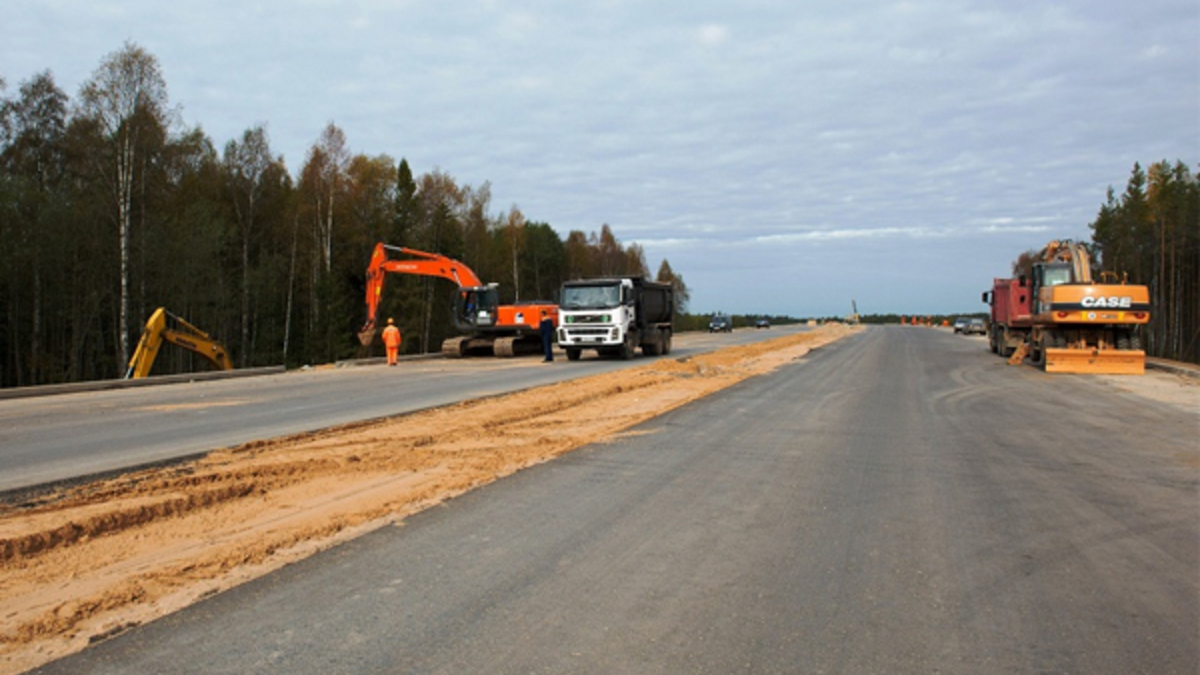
<point x="853" y="318"/>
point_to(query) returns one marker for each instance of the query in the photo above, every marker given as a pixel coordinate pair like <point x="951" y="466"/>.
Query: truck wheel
<point x="1037" y="352"/>
<point x="666" y="349"/>
<point x="573" y="353"/>
<point x="652" y="348"/>
<point x="1006" y="346"/>
<point x="628" y="348"/>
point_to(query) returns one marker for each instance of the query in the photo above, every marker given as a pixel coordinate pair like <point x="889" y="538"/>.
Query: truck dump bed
<point x="657" y="302"/>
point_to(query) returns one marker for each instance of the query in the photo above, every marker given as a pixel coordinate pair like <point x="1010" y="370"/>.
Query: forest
<point x="1151" y="235"/>
<point x="110" y="207"/>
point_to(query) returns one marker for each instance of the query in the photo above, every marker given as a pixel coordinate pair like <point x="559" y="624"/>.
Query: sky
<point x="786" y="157"/>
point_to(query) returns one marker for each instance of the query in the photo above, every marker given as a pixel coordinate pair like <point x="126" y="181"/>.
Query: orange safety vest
<point x="391" y="336"/>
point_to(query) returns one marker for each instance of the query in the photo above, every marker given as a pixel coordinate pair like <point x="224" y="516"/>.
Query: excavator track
<point x="455" y="348"/>
<point x="503" y="347"/>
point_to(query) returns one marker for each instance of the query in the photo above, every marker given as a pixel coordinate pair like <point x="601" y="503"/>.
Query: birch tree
<point x="330" y="173"/>
<point x="125" y="97"/>
<point x="514" y="239"/>
<point x="246" y="165"/>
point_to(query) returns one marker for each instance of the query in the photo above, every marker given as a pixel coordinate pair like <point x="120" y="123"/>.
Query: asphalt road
<point x="47" y="439"/>
<point x="900" y="502"/>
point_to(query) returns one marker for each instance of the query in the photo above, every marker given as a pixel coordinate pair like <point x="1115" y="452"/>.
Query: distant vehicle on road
<point x="720" y="323"/>
<point x="762" y="323"/>
<point x="975" y="327"/>
<point x="959" y="324"/>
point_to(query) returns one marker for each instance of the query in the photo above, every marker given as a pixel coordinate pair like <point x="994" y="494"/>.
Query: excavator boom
<point x="419" y="263"/>
<point x="501" y="329"/>
<point x="166" y="327"/>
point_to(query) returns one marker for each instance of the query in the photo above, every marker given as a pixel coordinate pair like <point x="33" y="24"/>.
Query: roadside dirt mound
<point x="89" y="562"/>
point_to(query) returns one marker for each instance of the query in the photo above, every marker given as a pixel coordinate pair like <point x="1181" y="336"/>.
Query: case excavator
<point x="487" y="327"/>
<point x="164" y="326"/>
<point x="1064" y="321"/>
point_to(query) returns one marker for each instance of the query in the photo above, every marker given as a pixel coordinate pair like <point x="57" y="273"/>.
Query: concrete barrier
<point x="103" y="385"/>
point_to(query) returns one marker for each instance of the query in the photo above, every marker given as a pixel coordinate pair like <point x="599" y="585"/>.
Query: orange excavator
<point x="487" y="326"/>
<point x="1066" y="322"/>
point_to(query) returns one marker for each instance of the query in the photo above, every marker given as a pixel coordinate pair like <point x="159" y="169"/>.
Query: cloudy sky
<point x="786" y="157"/>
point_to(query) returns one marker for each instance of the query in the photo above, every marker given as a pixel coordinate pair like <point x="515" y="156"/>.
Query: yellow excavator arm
<point x="166" y="327"/>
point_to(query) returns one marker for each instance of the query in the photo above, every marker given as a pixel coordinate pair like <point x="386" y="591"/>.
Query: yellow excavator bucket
<point x="1103" y="361"/>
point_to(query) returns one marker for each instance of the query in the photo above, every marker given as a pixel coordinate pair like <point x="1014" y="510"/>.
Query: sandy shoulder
<point x="92" y="561"/>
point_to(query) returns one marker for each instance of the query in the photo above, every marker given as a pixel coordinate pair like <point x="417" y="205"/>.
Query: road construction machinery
<point x="616" y="316"/>
<point x="1065" y="321"/>
<point x="164" y="326"/>
<point x="487" y="327"/>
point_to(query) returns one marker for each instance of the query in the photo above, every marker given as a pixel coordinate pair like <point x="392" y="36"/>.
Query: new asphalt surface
<point x="898" y="502"/>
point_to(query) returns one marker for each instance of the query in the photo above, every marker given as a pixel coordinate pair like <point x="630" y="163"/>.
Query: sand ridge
<point x="89" y="562"/>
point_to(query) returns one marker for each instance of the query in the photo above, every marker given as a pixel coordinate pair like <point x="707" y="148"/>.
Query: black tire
<point x="1037" y="353"/>
<point x="573" y="353"/>
<point x="628" y="349"/>
<point x="653" y="348"/>
<point x="666" y="349"/>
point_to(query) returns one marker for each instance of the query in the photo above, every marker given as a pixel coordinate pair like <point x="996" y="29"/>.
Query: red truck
<point x="1012" y="316"/>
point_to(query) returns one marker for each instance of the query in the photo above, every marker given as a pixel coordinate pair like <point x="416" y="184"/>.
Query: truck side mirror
<point x="986" y="297"/>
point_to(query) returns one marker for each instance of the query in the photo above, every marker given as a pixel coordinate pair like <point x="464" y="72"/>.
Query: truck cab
<point x="615" y="316"/>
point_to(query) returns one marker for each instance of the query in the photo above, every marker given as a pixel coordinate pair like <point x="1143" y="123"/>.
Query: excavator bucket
<point x="366" y="337"/>
<point x="1102" y="361"/>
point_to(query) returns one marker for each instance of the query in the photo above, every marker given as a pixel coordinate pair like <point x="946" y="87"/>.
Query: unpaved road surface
<point x="84" y="562"/>
<point x="53" y="438"/>
<point x="897" y="501"/>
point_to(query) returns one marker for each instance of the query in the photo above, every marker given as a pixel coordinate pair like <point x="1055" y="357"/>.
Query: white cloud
<point x="703" y="131"/>
<point x="712" y="35"/>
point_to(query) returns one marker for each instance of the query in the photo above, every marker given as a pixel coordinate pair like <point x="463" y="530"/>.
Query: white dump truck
<point x="615" y="316"/>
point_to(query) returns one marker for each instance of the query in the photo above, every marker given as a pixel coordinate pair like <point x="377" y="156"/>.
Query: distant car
<point x="720" y="324"/>
<point x="762" y="323"/>
<point x="960" y="323"/>
<point x="975" y="327"/>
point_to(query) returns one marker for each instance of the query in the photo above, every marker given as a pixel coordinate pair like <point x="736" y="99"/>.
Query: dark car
<point x="720" y="324"/>
<point x="762" y="323"/>
<point x="975" y="327"/>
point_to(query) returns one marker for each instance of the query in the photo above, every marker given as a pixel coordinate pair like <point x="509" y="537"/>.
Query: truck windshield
<point x="591" y="297"/>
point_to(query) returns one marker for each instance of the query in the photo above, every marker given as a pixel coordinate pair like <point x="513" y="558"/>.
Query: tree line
<point x="111" y="207"/>
<point x="1152" y="233"/>
<point x="1150" y="236"/>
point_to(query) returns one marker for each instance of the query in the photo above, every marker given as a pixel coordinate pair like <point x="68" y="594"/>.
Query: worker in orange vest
<point x="391" y="340"/>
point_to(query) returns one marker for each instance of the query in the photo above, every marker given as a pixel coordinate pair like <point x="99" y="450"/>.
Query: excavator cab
<point x="476" y="307"/>
<point x="1047" y="275"/>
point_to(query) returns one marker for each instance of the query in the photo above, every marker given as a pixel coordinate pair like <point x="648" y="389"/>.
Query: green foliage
<point x="1151" y="235"/>
<point x="271" y="265"/>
